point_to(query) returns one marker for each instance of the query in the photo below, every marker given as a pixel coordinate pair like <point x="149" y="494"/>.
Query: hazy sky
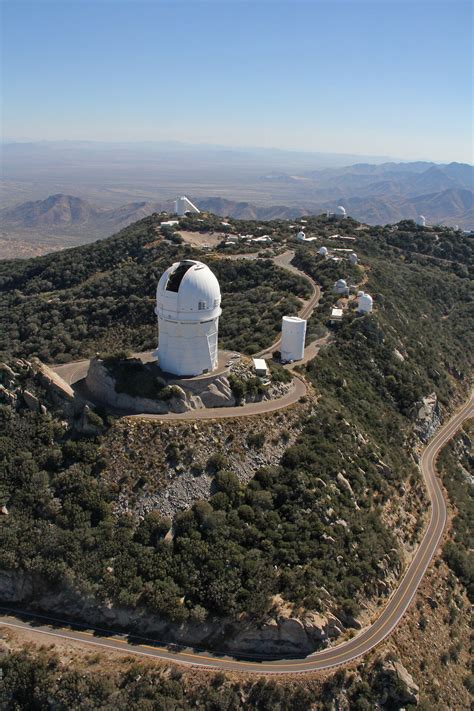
<point x="384" y="77"/>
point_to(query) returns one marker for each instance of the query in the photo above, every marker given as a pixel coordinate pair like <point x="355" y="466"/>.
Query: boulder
<point x="428" y="417"/>
<point x="398" y="684"/>
<point x="31" y="401"/>
<point x="346" y="485"/>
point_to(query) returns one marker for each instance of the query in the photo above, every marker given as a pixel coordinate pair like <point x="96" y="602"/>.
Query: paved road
<point x="325" y="659"/>
<point x="284" y="261"/>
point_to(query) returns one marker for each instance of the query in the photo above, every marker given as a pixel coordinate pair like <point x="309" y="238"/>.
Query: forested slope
<point x="100" y="297"/>
<point x="296" y="532"/>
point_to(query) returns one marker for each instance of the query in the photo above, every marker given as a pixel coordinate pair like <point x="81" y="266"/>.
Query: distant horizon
<point x="232" y="146"/>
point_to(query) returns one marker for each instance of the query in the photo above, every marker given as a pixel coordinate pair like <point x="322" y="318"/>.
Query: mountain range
<point x="374" y="194"/>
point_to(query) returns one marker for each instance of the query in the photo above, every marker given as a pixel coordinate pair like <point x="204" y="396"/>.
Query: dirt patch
<point x="201" y="239"/>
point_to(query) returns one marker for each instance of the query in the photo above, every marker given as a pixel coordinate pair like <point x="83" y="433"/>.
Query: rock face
<point x="208" y="392"/>
<point x="398" y="684"/>
<point x="31" y="401"/>
<point x="428" y="417"/>
<point x="279" y="635"/>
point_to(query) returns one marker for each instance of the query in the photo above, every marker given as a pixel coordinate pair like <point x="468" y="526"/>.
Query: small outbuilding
<point x="336" y="314"/>
<point x="261" y="367"/>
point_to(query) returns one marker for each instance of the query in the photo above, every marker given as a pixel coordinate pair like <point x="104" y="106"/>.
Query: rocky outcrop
<point x="16" y="586"/>
<point x="428" y="417"/>
<point x="31" y="401"/>
<point x="187" y="394"/>
<point x="101" y="387"/>
<point x="277" y="635"/>
<point x="288" y="635"/>
<point x="397" y="684"/>
<point x="56" y="386"/>
<point x="345" y="484"/>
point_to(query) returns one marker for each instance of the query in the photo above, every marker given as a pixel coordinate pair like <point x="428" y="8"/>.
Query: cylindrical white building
<point x="365" y="303"/>
<point x="353" y="258"/>
<point x="341" y="212"/>
<point x="301" y="236"/>
<point x="323" y="251"/>
<point x="293" y="333"/>
<point x="188" y="306"/>
<point x="421" y="221"/>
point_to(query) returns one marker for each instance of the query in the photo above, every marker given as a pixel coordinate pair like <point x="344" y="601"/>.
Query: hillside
<point x="313" y="513"/>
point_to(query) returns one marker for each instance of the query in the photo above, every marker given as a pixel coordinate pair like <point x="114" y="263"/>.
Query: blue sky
<point x="384" y="77"/>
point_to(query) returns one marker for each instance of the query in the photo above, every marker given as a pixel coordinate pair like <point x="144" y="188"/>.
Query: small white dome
<point x="365" y="304"/>
<point x="323" y="251"/>
<point x="360" y="293"/>
<point x="341" y="282"/>
<point x="301" y="236"/>
<point x="189" y="290"/>
<point x="341" y="210"/>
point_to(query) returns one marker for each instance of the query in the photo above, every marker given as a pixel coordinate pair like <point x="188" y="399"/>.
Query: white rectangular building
<point x="260" y="365"/>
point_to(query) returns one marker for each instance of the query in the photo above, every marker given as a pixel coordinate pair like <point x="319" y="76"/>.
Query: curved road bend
<point x="327" y="658"/>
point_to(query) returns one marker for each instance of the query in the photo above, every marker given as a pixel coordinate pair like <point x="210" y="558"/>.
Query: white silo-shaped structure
<point x="353" y="258"/>
<point x="340" y="287"/>
<point x="421" y="221"/>
<point x="365" y="303"/>
<point x="341" y="212"/>
<point x="301" y="236"/>
<point x="293" y="334"/>
<point x="188" y="306"/>
<point x="323" y="251"/>
<point x="183" y="205"/>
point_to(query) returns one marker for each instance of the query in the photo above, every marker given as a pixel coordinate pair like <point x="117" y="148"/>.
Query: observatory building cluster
<point x="188" y="307"/>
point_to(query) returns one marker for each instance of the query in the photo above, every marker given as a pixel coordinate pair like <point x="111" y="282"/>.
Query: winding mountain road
<point x="337" y="655"/>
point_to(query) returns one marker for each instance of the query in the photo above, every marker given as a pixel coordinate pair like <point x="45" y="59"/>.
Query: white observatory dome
<point x="365" y="304"/>
<point x="341" y="211"/>
<point x="340" y="286"/>
<point x="421" y="220"/>
<point x="323" y="251"/>
<point x="301" y="236"/>
<point x="188" y="300"/>
<point x="353" y="258"/>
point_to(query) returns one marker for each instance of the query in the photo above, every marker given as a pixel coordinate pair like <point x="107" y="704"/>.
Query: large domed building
<point x="188" y="306"/>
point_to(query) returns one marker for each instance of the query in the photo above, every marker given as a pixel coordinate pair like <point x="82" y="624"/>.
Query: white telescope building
<point x="293" y="333"/>
<point x="183" y="205"/>
<point x="364" y="303"/>
<point x="188" y="306"/>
